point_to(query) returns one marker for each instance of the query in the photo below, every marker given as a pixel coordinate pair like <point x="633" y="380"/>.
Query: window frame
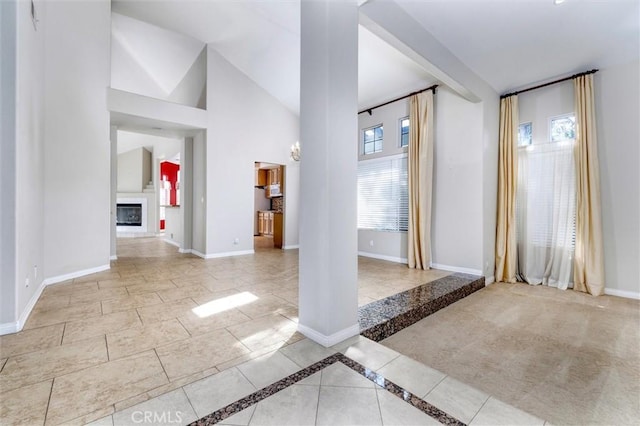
<point x="364" y="143"/>
<point x="400" y="131"/>
<point x="558" y="117"/>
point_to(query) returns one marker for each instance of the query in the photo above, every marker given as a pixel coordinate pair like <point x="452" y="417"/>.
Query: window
<point x="525" y="134"/>
<point x="372" y="140"/>
<point x="383" y="197"/>
<point x="404" y="132"/>
<point x="562" y="128"/>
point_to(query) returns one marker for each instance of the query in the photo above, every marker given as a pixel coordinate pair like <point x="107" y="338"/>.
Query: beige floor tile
<point x="98" y="326"/>
<point x="151" y="287"/>
<point x="306" y="352"/>
<point x="265" y="305"/>
<point x="42" y="365"/>
<point x="171" y="408"/>
<point x="3" y="361"/>
<point x="122" y="282"/>
<point x="127" y="342"/>
<point x="457" y="399"/>
<point x="264" y="331"/>
<point x="105" y="275"/>
<point x="200" y="325"/>
<point x="30" y="340"/>
<point x="217" y="391"/>
<point x="370" y="354"/>
<point x="69" y="287"/>
<point x="413" y="376"/>
<point x="340" y="375"/>
<point x="104" y="421"/>
<point x="46" y="303"/>
<point x="296" y="405"/>
<point x="130" y="302"/>
<point x="86" y="391"/>
<point x="495" y="412"/>
<point x="268" y="369"/>
<point x="166" y="311"/>
<point x="57" y="316"/>
<point x="348" y="406"/>
<point x="26" y="405"/>
<point x="199" y="353"/>
<point x="184" y="292"/>
<point x="98" y="295"/>
<point x="397" y="412"/>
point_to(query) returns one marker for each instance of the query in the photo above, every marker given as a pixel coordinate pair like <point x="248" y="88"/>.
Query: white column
<point x="328" y="302"/>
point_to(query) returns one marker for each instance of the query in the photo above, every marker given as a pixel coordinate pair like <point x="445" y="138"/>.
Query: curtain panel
<point x="420" y="170"/>
<point x="506" y="243"/>
<point x="588" y="271"/>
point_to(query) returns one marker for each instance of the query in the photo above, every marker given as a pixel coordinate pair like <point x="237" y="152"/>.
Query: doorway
<point x="269" y="206"/>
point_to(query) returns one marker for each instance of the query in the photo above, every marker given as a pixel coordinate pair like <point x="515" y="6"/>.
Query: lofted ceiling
<point x="511" y="44"/>
<point x="507" y="43"/>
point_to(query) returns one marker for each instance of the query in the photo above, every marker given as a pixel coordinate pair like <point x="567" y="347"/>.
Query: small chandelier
<point x="295" y="151"/>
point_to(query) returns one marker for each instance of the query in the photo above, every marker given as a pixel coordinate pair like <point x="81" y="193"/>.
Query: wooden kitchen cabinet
<point x="265" y="223"/>
<point x="261" y="177"/>
<point x="277" y="229"/>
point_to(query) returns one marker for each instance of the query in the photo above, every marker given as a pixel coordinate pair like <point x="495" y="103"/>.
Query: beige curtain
<point x="588" y="269"/>
<point x="420" y="169"/>
<point x="506" y="243"/>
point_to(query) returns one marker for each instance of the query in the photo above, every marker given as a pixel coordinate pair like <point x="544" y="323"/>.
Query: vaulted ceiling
<point x="507" y="43"/>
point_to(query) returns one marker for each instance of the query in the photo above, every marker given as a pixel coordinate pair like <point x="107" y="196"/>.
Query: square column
<point x="328" y="302"/>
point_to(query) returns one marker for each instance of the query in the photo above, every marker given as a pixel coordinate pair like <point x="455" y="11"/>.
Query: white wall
<point x="618" y="108"/>
<point x="173" y="225"/>
<point x="386" y="245"/>
<point x="134" y="170"/>
<point x="457" y="226"/>
<point x="77" y="170"/>
<point x="30" y="143"/>
<point x="199" y="237"/>
<point x="8" y="42"/>
<point x="246" y="124"/>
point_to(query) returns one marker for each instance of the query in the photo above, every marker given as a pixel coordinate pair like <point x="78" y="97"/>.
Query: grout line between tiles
<point x="379" y="407"/>
<point x="480" y="409"/>
<point x="46" y="413"/>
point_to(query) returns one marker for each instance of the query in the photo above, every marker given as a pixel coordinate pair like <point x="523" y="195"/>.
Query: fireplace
<point x="129" y="214"/>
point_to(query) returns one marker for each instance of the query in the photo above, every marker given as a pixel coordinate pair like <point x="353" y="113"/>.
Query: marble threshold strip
<point x="378" y="379"/>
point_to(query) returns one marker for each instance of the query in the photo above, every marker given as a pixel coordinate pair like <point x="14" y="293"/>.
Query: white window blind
<point x="383" y="198"/>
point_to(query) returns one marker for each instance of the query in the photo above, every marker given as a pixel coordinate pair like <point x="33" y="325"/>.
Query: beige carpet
<point x="560" y="355"/>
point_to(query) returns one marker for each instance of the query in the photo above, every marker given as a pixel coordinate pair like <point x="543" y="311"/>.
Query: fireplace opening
<point x="129" y="214"/>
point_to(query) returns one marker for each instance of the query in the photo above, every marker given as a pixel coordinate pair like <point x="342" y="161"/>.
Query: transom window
<point x="562" y="128"/>
<point x="404" y="132"/>
<point x="373" y="140"/>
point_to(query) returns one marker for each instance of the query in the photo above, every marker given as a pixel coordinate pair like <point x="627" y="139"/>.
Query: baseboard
<point x="489" y="280"/>
<point x="291" y="247"/>
<point x="184" y="251"/>
<point x="331" y="340"/>
<point x="9" y="328"/>
<point x="224" y="254"/>
<point x="622" y="293"/>
<point x="383" y="257"/>
<point x="456" y="269"/>
<point x="114" y="257"/>
<point x="14" y="327"/>
<point x="77" y="274"/>
<point x="173" y="243"/>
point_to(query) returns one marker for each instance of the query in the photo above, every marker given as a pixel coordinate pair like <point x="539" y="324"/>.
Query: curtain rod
<point x="549" y="83"/>
<point x="432" y="88"/>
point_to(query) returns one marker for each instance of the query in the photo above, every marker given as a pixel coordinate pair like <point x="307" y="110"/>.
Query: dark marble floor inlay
<point x="383" y="318"/>
<point x="378" y="379"/>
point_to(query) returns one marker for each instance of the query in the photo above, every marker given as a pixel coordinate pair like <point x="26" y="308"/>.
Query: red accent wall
<point x="169" y="171"/>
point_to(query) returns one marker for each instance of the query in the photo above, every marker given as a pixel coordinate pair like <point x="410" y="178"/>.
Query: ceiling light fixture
<point x="558" y="2"/>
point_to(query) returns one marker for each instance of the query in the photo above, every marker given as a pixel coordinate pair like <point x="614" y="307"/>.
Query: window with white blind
<point x="383" y="197"/>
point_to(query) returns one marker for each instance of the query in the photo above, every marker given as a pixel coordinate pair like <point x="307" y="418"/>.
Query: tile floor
<point x="566" y="356"/>
<point x="154" y="322"/>
<point x="334" y="395"/>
